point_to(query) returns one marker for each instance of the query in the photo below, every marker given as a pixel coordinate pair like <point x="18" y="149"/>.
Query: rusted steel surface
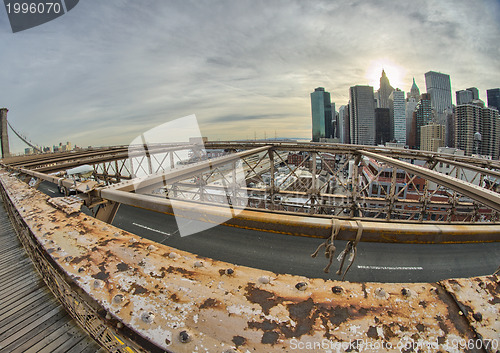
<point x="181" y="302"/>
<point x="479" y="301"/>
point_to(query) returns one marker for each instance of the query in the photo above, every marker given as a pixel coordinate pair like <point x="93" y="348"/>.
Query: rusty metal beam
<point x="164" y="299"/>
<point x="303" y="225"/>
<point x="486" y="197"/>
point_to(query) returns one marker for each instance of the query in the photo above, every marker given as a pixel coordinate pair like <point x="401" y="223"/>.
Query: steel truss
<point x="392" y="188"/>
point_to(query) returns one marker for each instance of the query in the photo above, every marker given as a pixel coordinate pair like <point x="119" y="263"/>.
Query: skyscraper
<point x="321" y="108"/>
<point x="397" y="107"/>
<point x="464" y="96"/>
<point x="421" y="116"/>
<point x="412" y="99"/>
<point x="343" y="122"/>
<point x="478" y="129"/>
<point x="493" y="98"/>
<point x="475" y="93"/>
<point x="384" y="91"/>
<point x="439" y="87"/>
<point x="362" y="115"/>
<point x="382" y="126"/>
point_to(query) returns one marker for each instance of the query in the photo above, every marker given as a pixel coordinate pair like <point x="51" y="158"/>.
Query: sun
<point x="394" y="72"/>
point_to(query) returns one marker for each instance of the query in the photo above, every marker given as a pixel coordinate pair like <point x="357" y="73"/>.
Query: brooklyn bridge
<point x="246" y="246"/>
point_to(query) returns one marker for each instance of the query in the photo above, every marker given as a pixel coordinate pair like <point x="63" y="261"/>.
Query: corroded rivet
<point x="478" y="316"/>
<point x="381" y="293"/>
<point x="119" y="324"/>
<point x="116" y="234"/>
<point x="132" y="240"/>
<point x="117" y="299"/>
<point x="98" y="284"/>
<point x="104" y="228"/>
<point x="264" y="280"/>
<point x="301" y="286"/>
<point x="456" y="287"/>
<point x="148" y="317"/>
<point x="108" y="316"/>
<point x="460" y="313"/>
<point x="337" y="289"/>
<point x="152" y="247"/>
<point x="173" y="255"/>
<point x="406" y="292"/>
<point x="198" y="264"/>
<point x="229" y="271"/>
<point x="184" y="337"/>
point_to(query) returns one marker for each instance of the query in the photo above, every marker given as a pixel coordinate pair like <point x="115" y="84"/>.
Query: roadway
<point x="375" y="262"/>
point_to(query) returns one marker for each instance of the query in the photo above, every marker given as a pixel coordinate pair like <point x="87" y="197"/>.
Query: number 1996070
<point x="24" y="7"/>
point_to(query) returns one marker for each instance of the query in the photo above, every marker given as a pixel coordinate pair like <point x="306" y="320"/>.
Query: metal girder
<point x="487" y="197"/>
<point x="182" y="173"/>
<point x="304" y="225"/>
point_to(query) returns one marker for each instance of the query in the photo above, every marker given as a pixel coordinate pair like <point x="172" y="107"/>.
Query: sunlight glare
<point x="394" y="72"/>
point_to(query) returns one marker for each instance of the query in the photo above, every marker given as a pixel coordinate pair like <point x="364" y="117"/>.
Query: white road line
<point x="152" y="229"/>
<point x="52" y="191"/>
<point x="399" y="268"/>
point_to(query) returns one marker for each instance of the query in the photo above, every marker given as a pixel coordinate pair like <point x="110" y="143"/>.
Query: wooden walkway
<point x="31" y="318"/>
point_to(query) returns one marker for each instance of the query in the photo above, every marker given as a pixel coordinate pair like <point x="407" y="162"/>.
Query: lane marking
<point x="151" y="229"/>
<point x="390" y="268"/>
<point x="52" y="191"/>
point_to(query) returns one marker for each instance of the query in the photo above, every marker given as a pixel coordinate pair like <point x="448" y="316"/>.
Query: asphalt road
<point x="375" y="262"/>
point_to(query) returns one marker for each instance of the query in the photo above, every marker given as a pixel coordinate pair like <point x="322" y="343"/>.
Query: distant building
<point x="382" y="126"/>
<point x="478" y="129"/>
<point x="464" y="96"/>
<point x="412" y="99"/>
<point x="343" y="121"/>
<point x="384" y="91"/>
<point x="432" y="137"/>
<point x="362" y="115"/>
<point x="421" y="116"/>
<point x="397" y="106"/>
<point x="439" y="87"/>
<point x="321" y="109"/>
<point x="493" y="96"/>
<point x="475" y="93"/>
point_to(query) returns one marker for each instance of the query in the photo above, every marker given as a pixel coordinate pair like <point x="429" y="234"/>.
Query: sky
<point x="108" y="71"/>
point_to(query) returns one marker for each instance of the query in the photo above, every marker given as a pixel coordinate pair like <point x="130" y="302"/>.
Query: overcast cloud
<point x="109" y="70"/>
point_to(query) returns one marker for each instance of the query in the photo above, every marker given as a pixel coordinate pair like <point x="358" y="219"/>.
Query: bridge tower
<point x="4" y="137"/>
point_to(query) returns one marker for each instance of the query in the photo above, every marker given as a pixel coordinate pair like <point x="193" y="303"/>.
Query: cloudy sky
<point x="109" y="70"/>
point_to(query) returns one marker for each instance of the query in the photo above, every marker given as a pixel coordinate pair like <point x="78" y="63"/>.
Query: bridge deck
<point x="31" y="319"/>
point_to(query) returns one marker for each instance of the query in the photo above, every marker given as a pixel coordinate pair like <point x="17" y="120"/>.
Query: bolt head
<point x="148" y="317"/>
<point x="301" y="286"/>
<point x="184" y="336"/>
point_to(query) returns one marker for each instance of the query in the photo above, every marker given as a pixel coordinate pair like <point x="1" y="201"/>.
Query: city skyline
<point x="106" y="72"/>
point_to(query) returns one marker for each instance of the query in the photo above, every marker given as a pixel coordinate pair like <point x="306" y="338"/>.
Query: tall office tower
<point x="490" y="132"/>
<point x="397" y="107"/>
<point x="382" y="126"/>
<point x="432" y="137"/>
<point x="362" y="115"/>
<point x="478" y="129"/>
<point x="321" y="108"/>
<point x="439" y="87"/>
<point x="464" y="96"/>
<point x="421" y="116"/>
<point x="384" y="91"/>
<point x="493" y="98"/>
<point x="475" y="93"/>
<point x="412" y="99"/>
<point x="343" y="120"/>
